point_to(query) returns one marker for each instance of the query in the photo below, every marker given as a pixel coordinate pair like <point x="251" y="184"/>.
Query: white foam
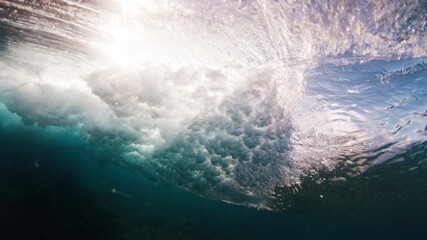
<point x="206" y="96"/>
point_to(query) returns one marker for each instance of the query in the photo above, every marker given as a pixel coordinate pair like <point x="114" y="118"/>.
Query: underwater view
<point x="213" y="119"/>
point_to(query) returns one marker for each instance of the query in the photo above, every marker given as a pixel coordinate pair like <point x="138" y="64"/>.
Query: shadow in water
<point x="387" y="200"/>
<point x="38" y="195"/>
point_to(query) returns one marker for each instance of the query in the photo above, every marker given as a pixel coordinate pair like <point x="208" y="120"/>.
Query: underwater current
<point x="287" y="108"/>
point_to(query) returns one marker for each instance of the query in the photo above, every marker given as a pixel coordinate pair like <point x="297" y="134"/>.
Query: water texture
<point x="300" y="107"/>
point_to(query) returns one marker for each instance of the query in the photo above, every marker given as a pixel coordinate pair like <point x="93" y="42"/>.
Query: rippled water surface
<point x="314" y="113"/>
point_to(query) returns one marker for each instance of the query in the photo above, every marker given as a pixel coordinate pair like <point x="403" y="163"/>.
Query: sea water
<point x="213" y="119"/>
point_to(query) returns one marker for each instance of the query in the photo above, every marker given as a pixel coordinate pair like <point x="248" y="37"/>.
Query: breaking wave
<point x="228" y="99"/>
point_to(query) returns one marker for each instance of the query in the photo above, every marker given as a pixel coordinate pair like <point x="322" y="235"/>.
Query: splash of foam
<point x="214" y="98"/>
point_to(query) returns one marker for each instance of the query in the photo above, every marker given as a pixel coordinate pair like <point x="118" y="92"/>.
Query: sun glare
<point x="122" y="37"/>
<point x="120" y="47"/>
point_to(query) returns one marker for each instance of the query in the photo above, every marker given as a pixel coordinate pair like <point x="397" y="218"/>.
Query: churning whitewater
<point x="228" y="99"/>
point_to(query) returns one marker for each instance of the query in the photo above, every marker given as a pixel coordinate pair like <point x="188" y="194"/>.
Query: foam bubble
<point x="227" y="100"/>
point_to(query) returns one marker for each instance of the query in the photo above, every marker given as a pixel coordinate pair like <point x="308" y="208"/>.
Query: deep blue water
<point x="143" y="119"/>
<point x="54" y="186"/>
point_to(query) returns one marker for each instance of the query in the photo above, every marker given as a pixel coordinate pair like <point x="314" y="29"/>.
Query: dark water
<point x="57" y="187"/>
<point x="213" y="119"/>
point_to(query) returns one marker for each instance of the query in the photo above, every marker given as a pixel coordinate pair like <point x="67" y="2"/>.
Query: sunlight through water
<point x="227" y="99"/>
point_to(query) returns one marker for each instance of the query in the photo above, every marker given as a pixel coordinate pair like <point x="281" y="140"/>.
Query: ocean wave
<point x="228" y="99"/>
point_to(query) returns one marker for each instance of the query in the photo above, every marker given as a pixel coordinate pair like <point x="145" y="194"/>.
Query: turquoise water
<point x="55" y="186"/>
<point x="213" y="120"/>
